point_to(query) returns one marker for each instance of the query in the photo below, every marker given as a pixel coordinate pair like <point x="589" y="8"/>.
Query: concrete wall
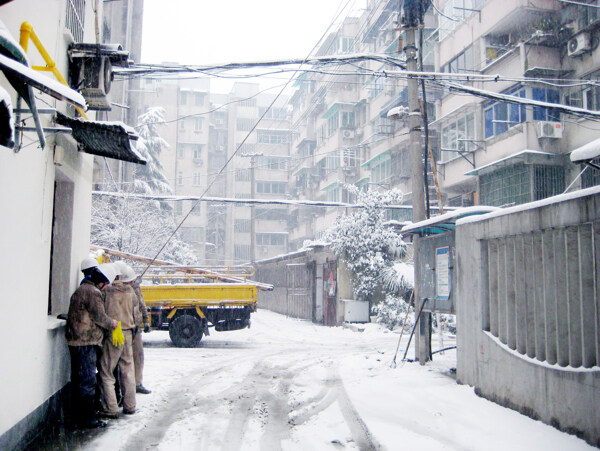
<point x="528" y="309"/>
<point x="34" y="355"/>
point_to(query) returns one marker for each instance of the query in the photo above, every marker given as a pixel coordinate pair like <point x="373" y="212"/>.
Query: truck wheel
<point x="185" y="331"/>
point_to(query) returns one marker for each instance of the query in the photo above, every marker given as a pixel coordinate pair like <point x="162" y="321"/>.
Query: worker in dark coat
<point x="120" y="300"/>
<point x="86" y="322"/>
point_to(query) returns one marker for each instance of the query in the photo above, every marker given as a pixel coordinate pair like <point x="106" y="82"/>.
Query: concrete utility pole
<point x="412" y="20"/>
<point x="252" y="157"/>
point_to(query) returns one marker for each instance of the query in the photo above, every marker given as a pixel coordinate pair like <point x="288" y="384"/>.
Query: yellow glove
<point x="118" y="339"/>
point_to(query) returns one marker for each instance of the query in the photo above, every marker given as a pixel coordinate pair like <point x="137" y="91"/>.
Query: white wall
<point x="34" y="357"/>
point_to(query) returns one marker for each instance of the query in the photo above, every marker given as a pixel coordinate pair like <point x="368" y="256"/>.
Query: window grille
<point x="506" y="186"/>
<point x="75" y="18"/>
<point x="548" y="181"/>
<point x="241" y="226"/>
<point x="591" y="176"/>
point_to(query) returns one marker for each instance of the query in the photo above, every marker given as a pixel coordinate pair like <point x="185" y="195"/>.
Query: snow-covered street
<point x="293" y="385"/>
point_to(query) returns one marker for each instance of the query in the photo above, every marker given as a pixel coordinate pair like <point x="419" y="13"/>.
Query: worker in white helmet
<point x="120" y="300"/>
<point x="140" y="315"/>
<point x="87" y="266"/>
<point x="86" y="322"/>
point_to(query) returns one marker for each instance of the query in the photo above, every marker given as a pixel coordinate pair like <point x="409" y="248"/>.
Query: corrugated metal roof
<point x="106" y="139"/>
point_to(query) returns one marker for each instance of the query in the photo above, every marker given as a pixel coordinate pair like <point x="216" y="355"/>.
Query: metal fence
<point x="293" y="293"/>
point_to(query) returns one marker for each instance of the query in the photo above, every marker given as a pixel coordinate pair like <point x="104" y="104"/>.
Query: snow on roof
<point x="531" y="205"/>
<point x="42" y="82"/>
<point x="448" y="218"/>
<point x="586" y="152"/>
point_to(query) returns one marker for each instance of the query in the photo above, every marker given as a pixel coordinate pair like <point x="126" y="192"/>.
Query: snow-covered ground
<point x="293" y="385"/>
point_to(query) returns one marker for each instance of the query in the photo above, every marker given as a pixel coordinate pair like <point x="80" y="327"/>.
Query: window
<point x="197" y="152"/>
<point x="183" y="97"/>
<point x="332" y="161"/>
<point x="241" y="226"/>
<point x="270" y="239"/>
<point x="248" y="102"/>
<point x="244" y="125"/>
<point x="347" y="45"/>
<point x="196" y="179"/>
<point x="591" y="177"/>
<point x="381" y="173"/>
<point x="180" y="178"/>
<point x="376" y="87"/>
<point x="520" y="183"/>
<point x="75" y="18"/>
<point x="242" y="175"/>
<point x="241" y="252"/>
<point x="454" y="135"/>
<point x="182" y="124"/>
<point x="348" y="119"/>
<point x="198" y="98"/>
<point x="198" y="121"/>
<point x="273" y="163"/>
<point x="545" y="95"/>
<point x="271" y="214"/>
<point x="179" y="208"/>
<point x="273" y="113"/>
<point x="180" y="152"/>
<point x="272" y="137"/>
<point x="271" y="187"/>
<point x="463" y="62"/>
<point x="192" y="234"/>
<point x="321" y="134"/>
<point x="500" y="116"/>
<point x="197" y="210"/>
<point x="333" y="123"/>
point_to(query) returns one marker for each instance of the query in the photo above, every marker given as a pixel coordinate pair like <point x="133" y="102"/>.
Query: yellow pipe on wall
<point x="27" y="33"/>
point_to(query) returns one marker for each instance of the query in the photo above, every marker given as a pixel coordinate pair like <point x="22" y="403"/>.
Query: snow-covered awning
<point x="40" y="81"/>
<point x="105" y="139"/>
<point x="446" y="222"/>
<point x="586" y="153"/>
<point x="525" y="156"/>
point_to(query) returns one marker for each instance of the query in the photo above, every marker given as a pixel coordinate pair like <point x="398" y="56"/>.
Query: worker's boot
<point x="143" y="390"/>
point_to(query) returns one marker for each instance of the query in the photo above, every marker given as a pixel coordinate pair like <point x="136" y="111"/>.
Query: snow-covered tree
<point x="141" y="226"/>
<point x="137" y="226"/>
<point x="398" y="283"/>
<point x="364" y="243"/>
<point x="149" y="178"/>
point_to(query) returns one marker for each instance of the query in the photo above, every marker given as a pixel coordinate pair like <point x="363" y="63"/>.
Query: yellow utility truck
<point x="186" y="300"/>
<point x="187" y="310"/>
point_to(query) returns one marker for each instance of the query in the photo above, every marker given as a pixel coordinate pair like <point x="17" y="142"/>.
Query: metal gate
<point x="300" y="291"/>
<point x="330" y="293"/>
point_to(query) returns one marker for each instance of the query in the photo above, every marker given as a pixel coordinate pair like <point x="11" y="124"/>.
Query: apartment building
<point x="342" y="133"/>
<point x="501" y="154"/>
<point x="487" y="151"/>
<point x="204" y="129"/>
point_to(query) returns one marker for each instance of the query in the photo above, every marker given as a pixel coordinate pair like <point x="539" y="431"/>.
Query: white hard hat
<point x="128" y="274"/>
<point x="88" y="263"/>
<point x="120" y="267"/>
<point x="108" y="270"/>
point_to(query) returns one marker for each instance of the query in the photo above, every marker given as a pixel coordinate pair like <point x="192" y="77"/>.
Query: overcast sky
<point x="210" y="32"/>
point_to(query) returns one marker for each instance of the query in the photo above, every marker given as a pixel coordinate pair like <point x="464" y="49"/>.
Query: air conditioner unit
<point x="90" y="71"/>
<point x="547" y="129"/>
<point x="579" y="44"/>
<point x="348" y="134"/>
